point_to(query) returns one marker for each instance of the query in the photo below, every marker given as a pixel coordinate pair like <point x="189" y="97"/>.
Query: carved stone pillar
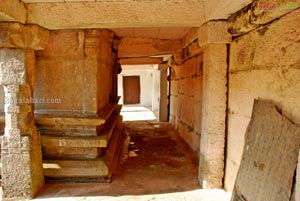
<point x="22" y="172"/>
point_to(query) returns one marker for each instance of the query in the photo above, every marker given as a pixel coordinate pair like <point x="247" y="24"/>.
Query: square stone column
<point x="213" y="38"/>
<point x="21" y="156"/>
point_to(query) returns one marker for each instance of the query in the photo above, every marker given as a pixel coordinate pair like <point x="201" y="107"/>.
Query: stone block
<point x="75" y="168"/>
<point x="12" y="10"/>
<point x="187" y="109"/>
<point x="189" y="136"/>
<point x="63" y="84"/>
<point x="213" y="32"/>
<point x="197" y="115"/>
<point x="274" y="45"/>
<point x="189" y="67"/>
<point x="12" y="66"/>
<point x="64" y="43"/>
<point x="15" y="35"/>
<point x="197" y="88"/>
<point x="174" y="87"/>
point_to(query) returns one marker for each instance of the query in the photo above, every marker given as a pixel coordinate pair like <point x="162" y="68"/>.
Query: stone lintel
<point x="16" y="35"/>
<point x="213" y="32"/>
<point x="141" y="47"/>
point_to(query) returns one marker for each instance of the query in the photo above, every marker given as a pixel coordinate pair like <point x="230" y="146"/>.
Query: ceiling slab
<point x="116" y="14"/>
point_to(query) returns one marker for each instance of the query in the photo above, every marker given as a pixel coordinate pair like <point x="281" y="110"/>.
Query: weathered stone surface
<point x="12" y="10"/>
<point x="263" y="65"/>
<point x="211" y="171"/>
<point x="68" y="141"/>
<point x="270" y="156"/>
<point x="69" y="121"/>
<point x="116" y="14"/>
<point x="12" y="61"/>
<point x="259" y="13"/>
<point x="22" y="174"/>
<point x="139" y="47"/>
<point x="213" y="32"/>
<point x="16" y="35"/>
<point x="186" y="103"/>
<point x="271" y="46"/>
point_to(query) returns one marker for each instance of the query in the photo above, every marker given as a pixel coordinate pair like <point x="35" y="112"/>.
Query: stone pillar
<point x="213" y="39"/>
<point x="156" y="91"/>
<point x="21" y="157"/>
<point x="163" y="103"/>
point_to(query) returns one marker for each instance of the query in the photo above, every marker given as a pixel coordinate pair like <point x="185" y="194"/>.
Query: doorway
<point x="132" y="89"/>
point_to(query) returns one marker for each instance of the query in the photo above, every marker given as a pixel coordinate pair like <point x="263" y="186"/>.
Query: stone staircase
<point x="79" y="147"/>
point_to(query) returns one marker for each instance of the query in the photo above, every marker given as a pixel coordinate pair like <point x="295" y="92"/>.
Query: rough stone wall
<point x="186" y="100"/>
<point x="264" y="64"/>
<point x="75" y="68"/>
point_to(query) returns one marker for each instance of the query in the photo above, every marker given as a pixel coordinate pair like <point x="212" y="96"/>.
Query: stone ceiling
<point x="129" y="18"/>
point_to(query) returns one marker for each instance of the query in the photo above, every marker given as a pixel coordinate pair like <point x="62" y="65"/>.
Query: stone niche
<point x="76" y="107"/>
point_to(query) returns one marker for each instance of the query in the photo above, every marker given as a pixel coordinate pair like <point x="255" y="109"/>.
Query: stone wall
<point x="186" y="100"/>
<point x="264" y="64"/>
<point x="76" y="70"/>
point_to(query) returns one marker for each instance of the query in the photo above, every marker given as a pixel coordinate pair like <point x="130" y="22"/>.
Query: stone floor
<point x="156" y="165"/>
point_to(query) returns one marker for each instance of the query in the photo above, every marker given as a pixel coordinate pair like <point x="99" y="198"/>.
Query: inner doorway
<point x="132" y="89"/>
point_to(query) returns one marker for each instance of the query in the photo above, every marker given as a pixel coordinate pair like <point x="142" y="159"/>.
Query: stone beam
<point x="12" y="11"/>
<point x="141" y="47"/>
<point x="16" y="35"/>
<point x="259" y="13"/>
<point x="141" y="60"/>
<point x="216" y="9"/>
<point x="117" y="14"/>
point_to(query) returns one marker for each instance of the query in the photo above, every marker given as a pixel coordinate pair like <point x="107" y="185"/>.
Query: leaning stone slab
<point x="270" y="156"/>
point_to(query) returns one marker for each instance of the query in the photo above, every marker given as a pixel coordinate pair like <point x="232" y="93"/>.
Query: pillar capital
<point x="12" y="67"/>
<point x="16" y="35"/>
<point x="213" y="32"/>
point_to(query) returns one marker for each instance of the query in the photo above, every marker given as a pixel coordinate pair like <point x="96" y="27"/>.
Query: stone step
<point x="78" y="141"/>
<point x="75" y="168"/>
<point x="109" y="127"/>
<point x="68" y="130"/>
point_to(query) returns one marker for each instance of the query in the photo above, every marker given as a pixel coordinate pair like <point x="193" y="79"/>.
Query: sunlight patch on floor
<point x="195" y="195"/>
<point x="136" y="113"/>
